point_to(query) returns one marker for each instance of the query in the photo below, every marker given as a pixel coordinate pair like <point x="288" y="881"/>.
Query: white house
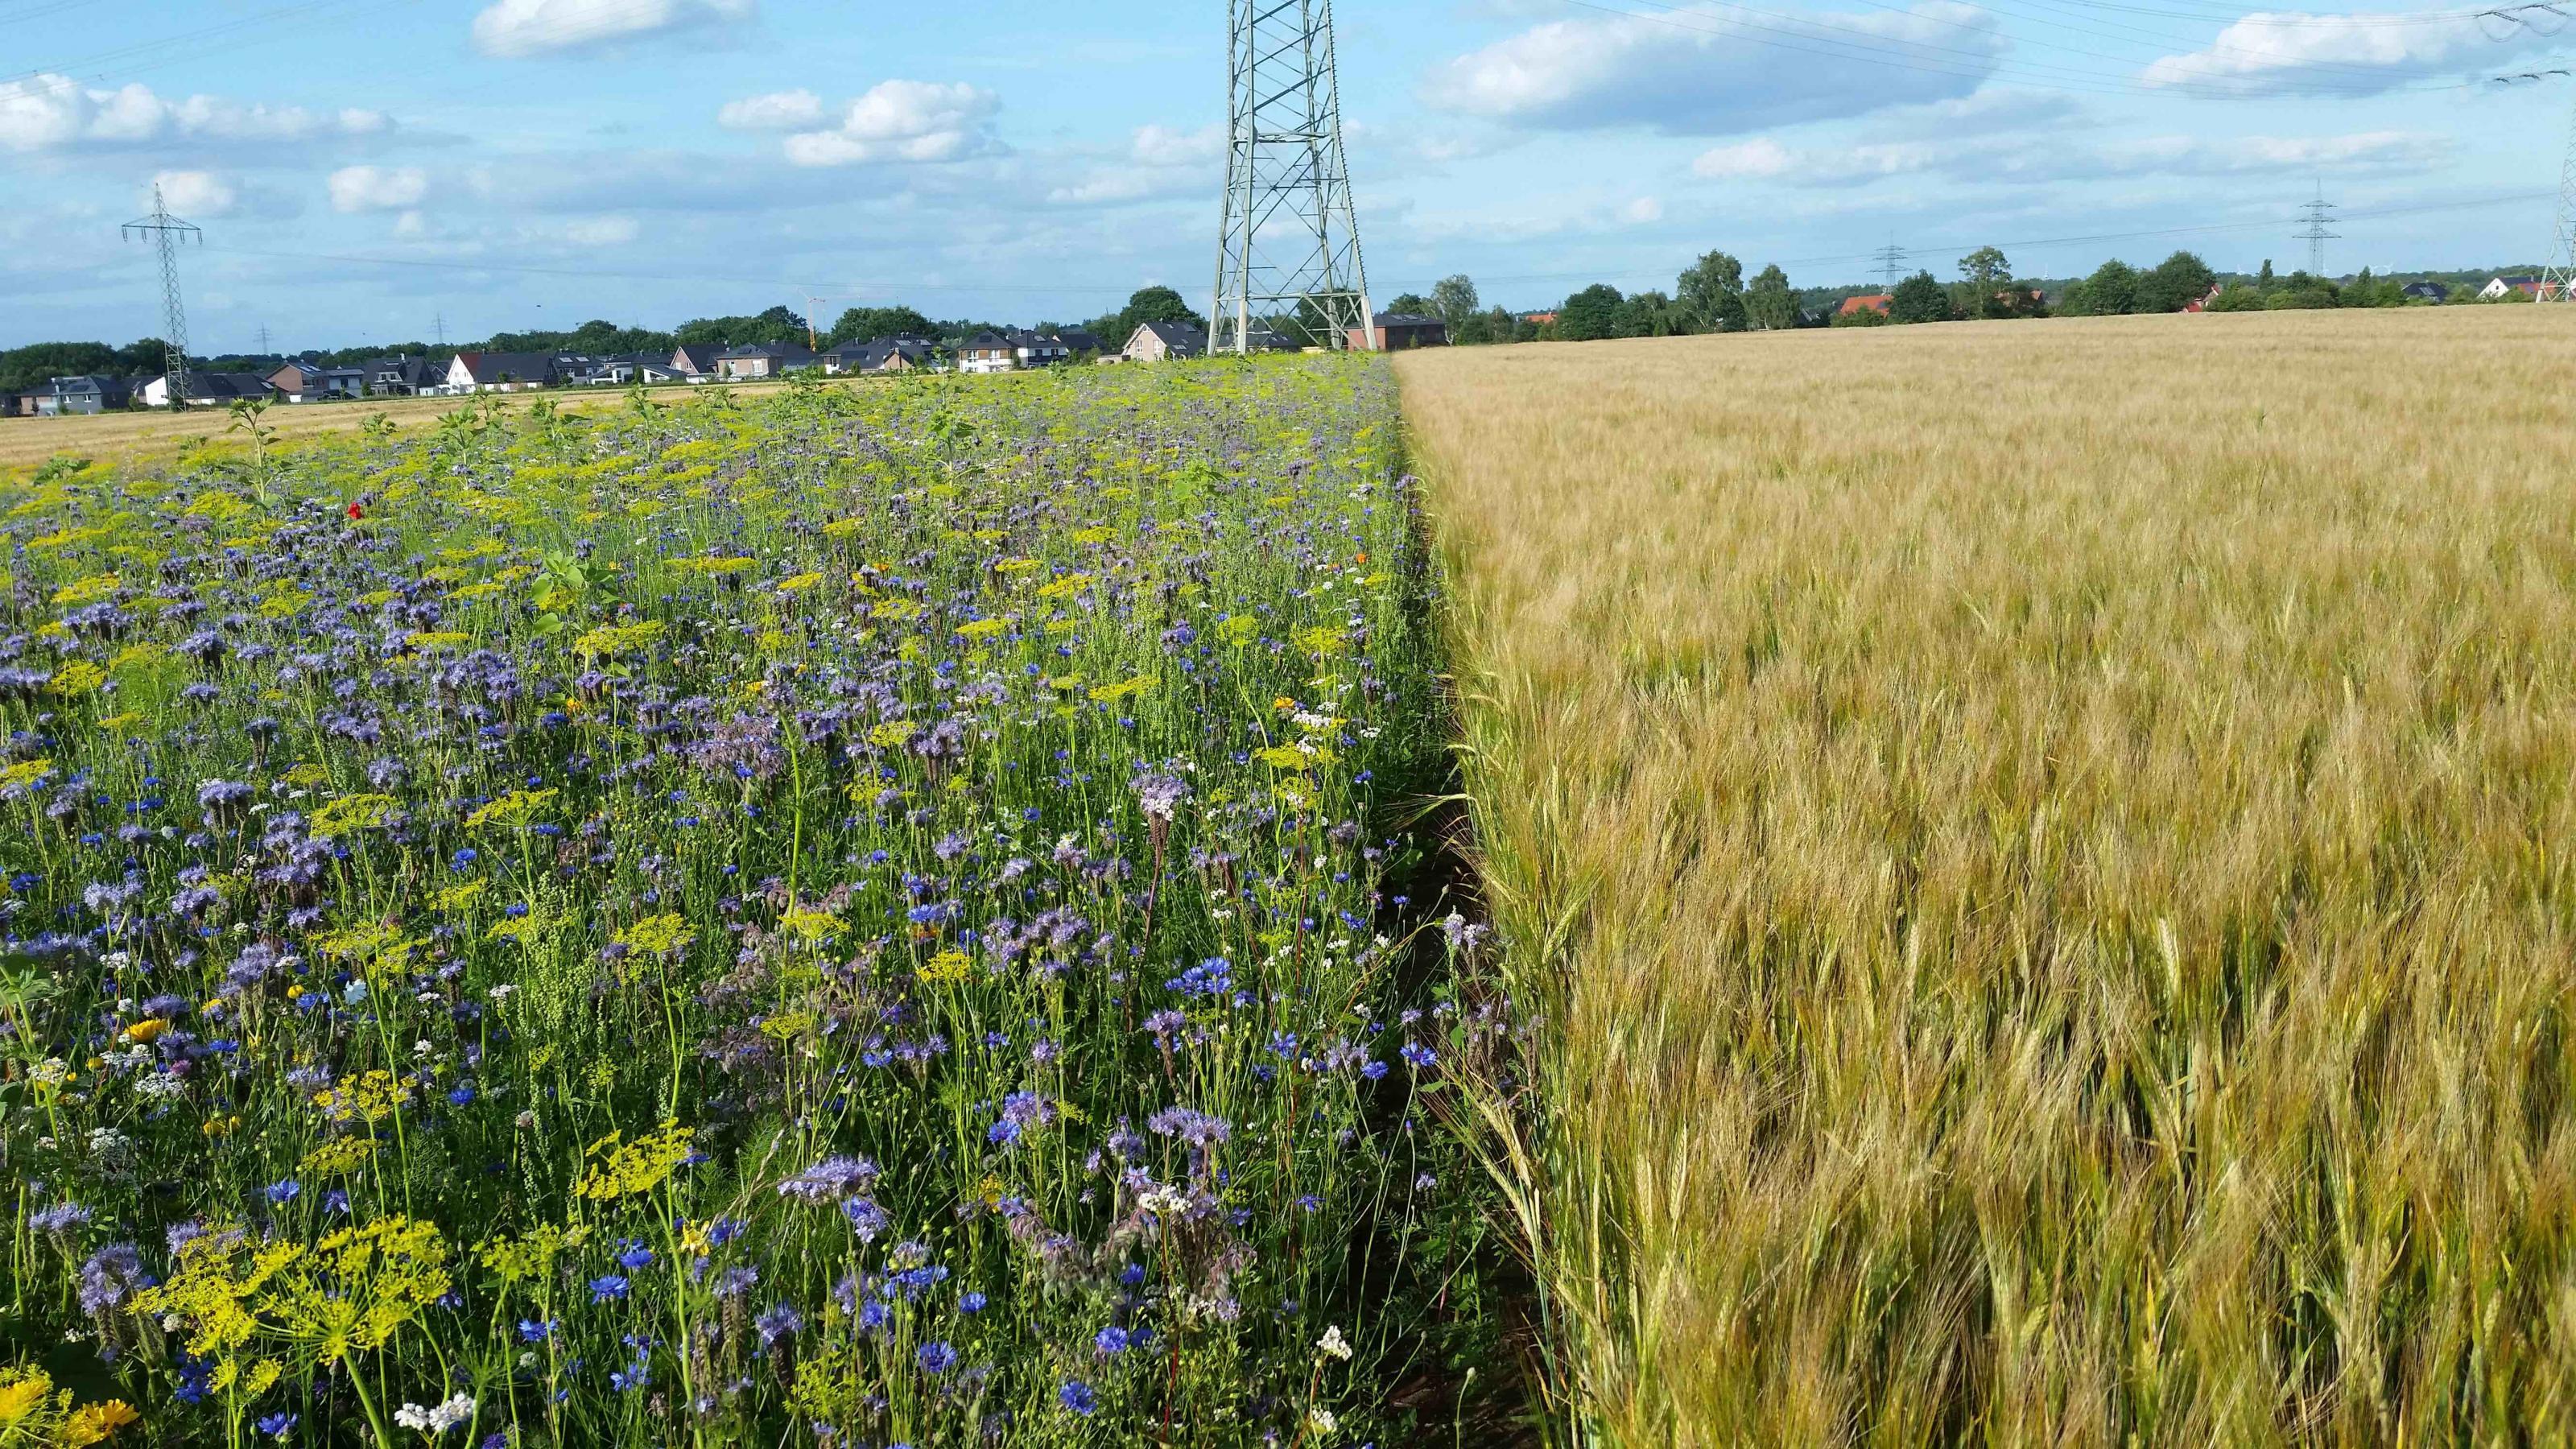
<point x="987" y="352"/>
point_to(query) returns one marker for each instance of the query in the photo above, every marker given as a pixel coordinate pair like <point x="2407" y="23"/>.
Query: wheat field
<point x="2041" y="856"/>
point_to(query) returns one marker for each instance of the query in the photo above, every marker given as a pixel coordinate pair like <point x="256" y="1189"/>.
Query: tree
<point x="1712" y="293"/>
<point x="1453" y="299"/>
<point x="1413" y="302"/>
<point x="1768" y="303"/>
<point x="1590" y="314"/>
<point x="1986" y="276"/>
<point x="2237" y="297"/>
<point x="1153" y="304"/>
<point x="873" y="324"/>
<point x="1919" y="298"/>
<point x="2263" y="278"/>
<point x="2174" y="283"/>
<point x="2112" y="290"/>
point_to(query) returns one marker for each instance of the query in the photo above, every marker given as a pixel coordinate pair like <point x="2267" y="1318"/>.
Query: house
<point x="2498" y="288"/>
<point x="1537" y="319"/>
<point x="697" y="359"/>
<point x="1082" y="342"/>
<point x="1875" y="302"/>
<point x="987" y="352"/>
<point x="207" y="389"/>
<point x="299" y="381"/>
<point x="1400" y="332"/>
<point x="67" y="396"/>
<point x="761" y="360"/>
<point x="886" y="354"/>
<point x="12" y="401"/>
<point x="502" y="372"/>
<point x="1164" y="341"/>
<point x="1030" y="349"/>
<point x="2425" y="292"/>
<point x="632" y="369"/>
<point x="2201" y="303"/>
<point x="402" y="376"/>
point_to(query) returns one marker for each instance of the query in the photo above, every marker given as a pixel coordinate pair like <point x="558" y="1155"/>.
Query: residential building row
<point x="462" y="373"/>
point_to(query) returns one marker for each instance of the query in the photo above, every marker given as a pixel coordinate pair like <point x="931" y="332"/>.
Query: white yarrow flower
<point x="1333" y="1345"/>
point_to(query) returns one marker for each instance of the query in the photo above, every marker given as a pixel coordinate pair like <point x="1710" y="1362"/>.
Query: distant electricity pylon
<point x="2320" y="215"/>
<point x="166" y="233"/>
<point x="1290" y="241"/>
<point x="1891" y="260"/>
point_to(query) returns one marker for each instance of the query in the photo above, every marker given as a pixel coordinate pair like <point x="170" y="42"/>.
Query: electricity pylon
<point x="166" y="233"/>
<point x="2561" y="274"/>
<point x="1290" y="241"/>
<point x="1891" y="260"/>
<point x="2320" y="215"/>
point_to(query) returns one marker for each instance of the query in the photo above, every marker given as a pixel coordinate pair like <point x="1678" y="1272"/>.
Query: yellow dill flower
<point x="948" y="966"/>
<point x="614" y="639"/>
<point x="19" y="776"/>
<point x="656" y="935"/>
<point x="982" y="628"/>
<point x="890" y="734"/>
<point x="353" y="812"/>
<point x="630" y="1169"/>
<point x="77" y="678"/>
<point x="514" y="809"/>
<point x="811" y="925"/>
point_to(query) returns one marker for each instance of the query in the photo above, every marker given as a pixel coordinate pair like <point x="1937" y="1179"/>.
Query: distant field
<point x="134" y="435"/>
<point x="2045" y="851"/>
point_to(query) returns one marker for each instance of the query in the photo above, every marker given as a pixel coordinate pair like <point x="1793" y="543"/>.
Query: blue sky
<point x="363" y="168"/>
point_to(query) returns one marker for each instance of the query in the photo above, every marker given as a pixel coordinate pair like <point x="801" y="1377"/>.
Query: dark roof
<point x="1080" y="339"/>
<point x="1406" y="319"/>
<point x="987" y="341"/>
<point x="1176" y="334"/>
<point x="784" y="350"/>
<point x="487" y="367"/>
<point x="224" y="384"/>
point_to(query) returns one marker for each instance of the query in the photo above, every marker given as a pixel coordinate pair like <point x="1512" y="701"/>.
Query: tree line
<point x="1712" y="295"/>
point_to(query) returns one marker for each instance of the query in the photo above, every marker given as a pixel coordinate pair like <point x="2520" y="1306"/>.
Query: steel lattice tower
<point x="1289" y="250"/>
<point x="2562" y="247"/>
<point x="2320" y="215"/>
<point x="1891" y="260"/>
<point x="167" y="233"/>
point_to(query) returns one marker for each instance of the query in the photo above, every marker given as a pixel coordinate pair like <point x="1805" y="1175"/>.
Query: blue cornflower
<point x="284" y="1191"/>
<point x="937" y="1358"/>
<point x="1077" y="1396"/>
<point x="533" y="1331"/>
<point x="1109" y="1342"/>
<point x="634" y="1255"/>
<point x="1419" y="1055"/>
<point x="607" y="1286"/>
<point x="971" y="1302"/>
<point x="461" y="1095"/>
<point x="277" y="1426"/>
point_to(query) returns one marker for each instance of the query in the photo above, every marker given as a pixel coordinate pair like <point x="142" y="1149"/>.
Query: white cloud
<point x="903" y="120"/>
<point x="1168" y="146"/>
<point x="2055" y="160"/>
<point x="515" y="28"/>
<point x="776" y="111"/>
<point x="377" y="188"/>
<point x="602" y="231"/>
<point x="1754" y="160"/>
<point x="1162" y="161"/>
<point x="1642" y="211"/>
<point x="195" y="194"/>
<point x="1700" y="70"/>
<point x="54" y="112"/>
<point x="2270" y="53"/>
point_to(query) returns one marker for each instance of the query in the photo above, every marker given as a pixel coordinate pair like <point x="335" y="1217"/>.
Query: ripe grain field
<point x="2044" y="854"/>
